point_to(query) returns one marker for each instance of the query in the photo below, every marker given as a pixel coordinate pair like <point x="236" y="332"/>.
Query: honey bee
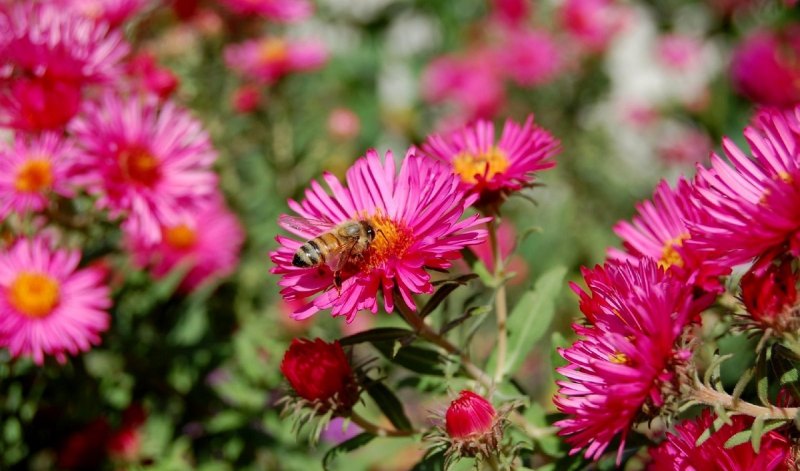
<point x="338" y="246"/>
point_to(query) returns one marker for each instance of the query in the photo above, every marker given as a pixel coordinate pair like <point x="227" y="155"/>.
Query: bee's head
<point x="370" y="231"/>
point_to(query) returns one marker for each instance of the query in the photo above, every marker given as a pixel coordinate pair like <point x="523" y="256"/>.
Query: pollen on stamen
<point x="670" y="255"/>
<point x="392" y="239"/>
<point x="486" y="164"/>
<point x="34" y="294"/>
<point x="35" y="175"/>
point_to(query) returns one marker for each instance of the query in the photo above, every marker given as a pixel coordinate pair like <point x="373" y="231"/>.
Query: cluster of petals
<point x="48" y="306"/>
<point x="319" y="371"/>
<point x="592" y="23"/>
<point x="270" y="58"/>
<point x="766" y="67"/>
<point x="660" y="230"/>
<point x="489" y="166"/>
<point x="529" y="57"/>
<point x="626" y="359"/>
<point x="32" y="168"/>
<point x="680" y="450"/>
<point x="752" y="202"/>
<point x="277" y="10"/>
<point x="111" y="12"/>
<point x="207" y="241"/>
<point x="49" y="56"/>
<point x="145" y="161"/>
<point x="417" y="216"/>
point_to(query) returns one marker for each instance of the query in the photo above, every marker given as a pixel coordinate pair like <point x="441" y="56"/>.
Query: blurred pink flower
<point x="277" y="10"/>
<point x="751" y="203"/>
<point x="660" y="230"/>
<point x="417" y="220"/>
<point x="679" y="52"/>
<point x="49" y="55"/>
<point x="246" y="98"/>
<point x="472" y="83"/>
<point x="680" y="452"/>
<point x="152" y="78"/>
<point x="343" y="123"/>
<point x="49" y="307"/>
<point x="688" y="146"/>
<point x="270" y="58"/>
<point x="626" y="358"/>
<point x="511" y="12"/>
<point x="530" y="57"/>
<point x="493" y="168"/>
<point x="31" y="169"/>
<point x="593" y="23"/>
<point x="146" y="161"/>
<point x="207" y="240"/>
<point x="766" y="67"/>
<point x="125" y="444"/>
<point x="335" y="433"/>
<point x="112" y="12"/>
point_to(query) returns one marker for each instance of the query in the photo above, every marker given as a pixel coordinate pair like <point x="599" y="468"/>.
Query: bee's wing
<point x="307" y="225"/>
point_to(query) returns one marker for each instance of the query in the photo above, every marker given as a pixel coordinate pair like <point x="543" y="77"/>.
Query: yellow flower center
<point x="139" y="165"/>
<point x="486" y="165"/>
<point x="392" y="239"/>
<point x="273" y="50"/>
<point x="619" y="358"/>
<point x="34" y="176"/>
<point x="669" y="255"/>
<point x="181" y="237"/>
<point x="34" y="294"/>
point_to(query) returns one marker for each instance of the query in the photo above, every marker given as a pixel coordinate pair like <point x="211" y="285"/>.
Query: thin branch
<point x="709" y="396"/>
<point x="500" y="301"/>
<point x="376" y="429"/>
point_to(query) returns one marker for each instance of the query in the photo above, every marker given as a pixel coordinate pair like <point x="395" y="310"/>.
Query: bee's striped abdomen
<point x="309" y="254"/>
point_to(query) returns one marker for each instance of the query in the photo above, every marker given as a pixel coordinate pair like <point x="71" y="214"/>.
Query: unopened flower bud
<point x="469" y="415"/>
<point x="770" y="293"/>
<point x="319" y="372"/>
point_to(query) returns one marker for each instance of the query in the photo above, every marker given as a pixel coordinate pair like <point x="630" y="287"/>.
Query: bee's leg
<point x="337" y="281"/>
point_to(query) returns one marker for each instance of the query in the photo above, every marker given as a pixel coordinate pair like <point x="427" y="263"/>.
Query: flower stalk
<point x="711" y="397"/>
<point x="500" y="301"/>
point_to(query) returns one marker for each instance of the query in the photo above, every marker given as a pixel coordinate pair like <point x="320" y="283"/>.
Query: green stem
<point x="376" y="429"/>
<point x="500" y="301"/>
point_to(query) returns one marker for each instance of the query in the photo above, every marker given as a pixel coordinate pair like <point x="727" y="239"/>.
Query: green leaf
<point x="380" y="334"/>
<point x="431" y="462"/>
<point x="390" y="405"/>
<point x="550" y="445"/>
<point x="744" y="435"/>
<point x="716" y="425"/>
<point x="346" y="447"/>
<point x="758" y="432"/>
<point x="418" y="359"/>
<point x="762" y="382"/>
<point x="530" y="319"/>
<point x="557" y="341"/>
<point x="473" y="311"/>
<point x="440" y="295"/>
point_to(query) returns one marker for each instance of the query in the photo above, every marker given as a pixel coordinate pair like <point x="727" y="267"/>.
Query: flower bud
<point x="768" y="293"/>
<point x="319" y="372"/>
<point x="469" y="415"/>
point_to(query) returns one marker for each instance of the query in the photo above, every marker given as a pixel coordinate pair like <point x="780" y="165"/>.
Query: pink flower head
<point x="751" y="203"/>
<point x="472" y="83"/>
<point x="208" y="240"/>
<point x="246" y="98"/>
<point x="592" y="23"/>
<point x="33" y="168"/>
<point x="277" y="10"/>
<point x="469" y="415"/>
<point x="270" y="58"/>
<point x="151" y="77"/>
<point x="770" y="294"/>
<point x="659" y="232"/>
<point x="49" y="56"/>
<point x="112" y="12"/>
<point x="511" y="12"/>
<point x="766" y="68"/>
<point x="416" y="219"/>
<point x="146" y="161"/>
<point x="680" y="52"/>
<point x="47" y="305"/>
<point x="494" y="168"/>
<point x="626" y="358"/>
<point x="530" y="57"/>
<point x="679" y="451"/>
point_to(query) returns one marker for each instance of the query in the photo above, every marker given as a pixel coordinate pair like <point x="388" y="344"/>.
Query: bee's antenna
<point x="380" y="231"/>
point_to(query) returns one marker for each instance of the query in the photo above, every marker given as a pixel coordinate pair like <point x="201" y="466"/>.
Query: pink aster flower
<point x="659" y="231"/>
<point x="278" y="10"/>
<point x="149" y="76"/>
<point x="416" y="221"/>
<point x="751" y="203"/>
<point x="493" y="168"/>
<point x="33" y="168"/>
<point x="47" y="305"/>
<point x="624" y="365"/>
<point x="766" y="67"/>
<point x="208" y="241"/>
<point x="679" y="452"/>
<point x="111" y="12"/>
<point x="511" y="12"/>
<point x="471" y="83"/>
<point x="593" y="23"/>
<point x="530" y="57"/>
<point x="49" y="56"/>
<point x="145" y="161"/>
<point x="270" y="58"/>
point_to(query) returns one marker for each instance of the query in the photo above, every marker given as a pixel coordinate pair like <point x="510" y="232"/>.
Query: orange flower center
<point x="139" y="165"/>
<point x="669" y="255"/>
<point x="486" y="165"/>
<point x="34" y="294"/>
<point x="392" y="239"/>
<point x="181" y="237"/>
<point x="34" y="176"/>
<point x="273" y="50"/>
